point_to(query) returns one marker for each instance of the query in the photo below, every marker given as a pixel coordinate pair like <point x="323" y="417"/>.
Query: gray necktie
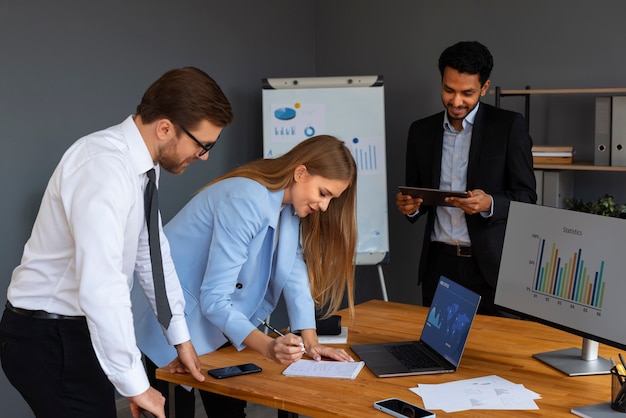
<point x="151" y="200"/>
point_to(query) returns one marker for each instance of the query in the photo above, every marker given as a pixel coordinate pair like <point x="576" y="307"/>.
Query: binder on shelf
<point x="618" y="131"/>
<point x="539" y="187"/>
<point x="602" y="132"/>
<point x="558" y="185"/>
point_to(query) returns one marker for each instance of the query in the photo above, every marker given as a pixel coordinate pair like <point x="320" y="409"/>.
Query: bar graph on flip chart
<point x="568" y="276"/>
<point x="366" y="155"/>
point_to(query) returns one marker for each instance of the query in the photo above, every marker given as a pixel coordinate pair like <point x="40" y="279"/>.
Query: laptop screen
<point x="449" y="319"/>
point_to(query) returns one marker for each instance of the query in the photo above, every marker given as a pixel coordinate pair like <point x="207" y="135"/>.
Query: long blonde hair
<point x="328" y="238"/>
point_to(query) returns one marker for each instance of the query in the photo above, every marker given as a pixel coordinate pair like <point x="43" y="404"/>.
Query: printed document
<point x="489" y="392"/>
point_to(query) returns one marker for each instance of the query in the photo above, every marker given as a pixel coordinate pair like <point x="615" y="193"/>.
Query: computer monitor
<point x="567" y="270"/>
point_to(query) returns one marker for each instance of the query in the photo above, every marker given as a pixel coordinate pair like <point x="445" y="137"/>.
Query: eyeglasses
<point x="205" y="148"/>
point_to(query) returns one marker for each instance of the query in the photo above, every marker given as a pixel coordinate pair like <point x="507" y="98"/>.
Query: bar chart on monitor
<point x="565" y="267"/>
<point x="568" y="276"/>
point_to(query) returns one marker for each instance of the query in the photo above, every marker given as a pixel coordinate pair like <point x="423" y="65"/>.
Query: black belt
<point x="452" y="249"/>
<point x="39" y="314"/>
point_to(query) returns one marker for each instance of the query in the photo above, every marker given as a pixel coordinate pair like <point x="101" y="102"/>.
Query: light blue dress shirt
<point x="450" y="226"/>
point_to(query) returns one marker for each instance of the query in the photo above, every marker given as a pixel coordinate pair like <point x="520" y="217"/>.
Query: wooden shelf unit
<point x="556" y="181"/>
<point x="579" y="166"/>
<point x="527" y="92"/>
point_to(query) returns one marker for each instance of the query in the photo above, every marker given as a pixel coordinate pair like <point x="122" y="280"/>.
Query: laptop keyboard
<point x="411" y="356"/>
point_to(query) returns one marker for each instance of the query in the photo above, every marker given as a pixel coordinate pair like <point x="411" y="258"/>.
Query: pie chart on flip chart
<point x="285" y="113"/>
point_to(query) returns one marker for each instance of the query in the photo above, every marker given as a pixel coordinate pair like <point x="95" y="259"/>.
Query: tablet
<point x="432" y="197"/>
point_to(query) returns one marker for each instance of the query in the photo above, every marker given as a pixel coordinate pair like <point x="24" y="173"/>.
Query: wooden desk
<point x="499" y="346"/>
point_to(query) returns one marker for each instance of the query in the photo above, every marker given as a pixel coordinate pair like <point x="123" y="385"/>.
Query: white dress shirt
<point x="88" y="240"/>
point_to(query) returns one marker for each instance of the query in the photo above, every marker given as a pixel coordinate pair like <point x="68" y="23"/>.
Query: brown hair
<point x="328" y="238"/>
<point x="186" y="96"/>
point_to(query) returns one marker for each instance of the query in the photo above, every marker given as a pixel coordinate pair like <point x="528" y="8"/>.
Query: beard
<point x="467" y="111"/>
<point x="171" y="161"/>
<point x="452" y="116"/>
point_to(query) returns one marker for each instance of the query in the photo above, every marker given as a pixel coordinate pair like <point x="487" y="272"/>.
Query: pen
<point x="271" y="328"/>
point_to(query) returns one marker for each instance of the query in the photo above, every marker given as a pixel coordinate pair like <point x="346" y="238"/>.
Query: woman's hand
<point x="317" y="351"/>
<point x="285" y="350"/>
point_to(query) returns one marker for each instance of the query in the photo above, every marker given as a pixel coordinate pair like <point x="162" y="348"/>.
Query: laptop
<point x="441" y="343"/>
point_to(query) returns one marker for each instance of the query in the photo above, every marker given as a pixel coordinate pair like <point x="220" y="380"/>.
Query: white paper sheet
<point x="489" y="392"/>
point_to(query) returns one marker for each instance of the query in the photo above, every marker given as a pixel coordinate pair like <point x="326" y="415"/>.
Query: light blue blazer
<point x="234" y="258"/>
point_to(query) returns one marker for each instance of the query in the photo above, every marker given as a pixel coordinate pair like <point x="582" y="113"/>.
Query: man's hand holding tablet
<point x="431" y="197"/>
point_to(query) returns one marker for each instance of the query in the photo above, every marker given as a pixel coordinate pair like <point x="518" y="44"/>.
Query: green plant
<point x="604" y="206"/>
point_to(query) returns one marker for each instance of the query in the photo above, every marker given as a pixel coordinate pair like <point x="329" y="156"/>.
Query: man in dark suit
<point x="475" y="147"/>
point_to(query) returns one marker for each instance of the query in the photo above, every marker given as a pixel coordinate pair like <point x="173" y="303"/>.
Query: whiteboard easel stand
<point x="383" y="285"/>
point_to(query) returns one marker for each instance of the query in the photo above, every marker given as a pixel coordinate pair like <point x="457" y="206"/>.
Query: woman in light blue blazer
<point x="273" y="226"/>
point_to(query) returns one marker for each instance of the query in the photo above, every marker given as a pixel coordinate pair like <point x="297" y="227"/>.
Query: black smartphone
<point x="399" y="408"/>
<point x="230" y="371"/>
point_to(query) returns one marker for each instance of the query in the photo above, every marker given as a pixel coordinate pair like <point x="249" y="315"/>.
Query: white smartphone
<point x="399" y="408"/>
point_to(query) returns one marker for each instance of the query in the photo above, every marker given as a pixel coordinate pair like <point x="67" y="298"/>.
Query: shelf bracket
<point x="499" y="95"/>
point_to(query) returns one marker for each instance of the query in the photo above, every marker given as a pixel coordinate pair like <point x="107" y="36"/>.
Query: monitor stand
<point x="575" y="361"/>
<point x="601" y="410"/>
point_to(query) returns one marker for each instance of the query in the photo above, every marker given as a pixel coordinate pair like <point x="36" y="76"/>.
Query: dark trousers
<point x="51" y="362"/>
<point x="462" y="270"/>
<point x="215" y="406"/>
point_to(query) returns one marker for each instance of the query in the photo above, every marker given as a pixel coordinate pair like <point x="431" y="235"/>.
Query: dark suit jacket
<point x="500" y="163"/>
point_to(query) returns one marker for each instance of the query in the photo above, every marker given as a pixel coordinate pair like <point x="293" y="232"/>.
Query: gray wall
<point x="68" y="68"/>
<point x="544" y="44"/>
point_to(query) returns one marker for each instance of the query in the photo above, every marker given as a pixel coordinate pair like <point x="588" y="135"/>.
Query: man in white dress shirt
<point x="67" y="340"/>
